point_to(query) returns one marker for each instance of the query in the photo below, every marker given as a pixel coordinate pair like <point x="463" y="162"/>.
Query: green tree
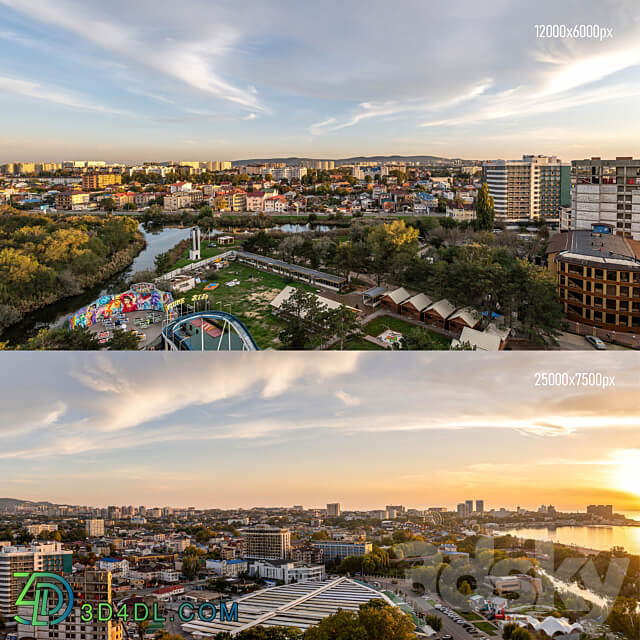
<point x="434" y="621"/>
<point x="343" y="323"/>
<point x="418" y="339"/>
<point x="520" y="634"/>
<point x="485" y="213"/>
<point x="374" y="620"/>
<point x="508" y="630"/>
<point x="124" y="341"/>
<point x="190" y="566"/>
<point x="108" y="204"/>
<point x="78" y="339"/>
<point x="624" y="618"/>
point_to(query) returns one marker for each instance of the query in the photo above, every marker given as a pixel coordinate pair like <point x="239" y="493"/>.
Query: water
<point x="54" y="315"/>
<point x="602" y="538"/>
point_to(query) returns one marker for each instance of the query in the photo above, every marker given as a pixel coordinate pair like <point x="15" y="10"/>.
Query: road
<point x="420" y="605"/>
<point x="573" y="342"/>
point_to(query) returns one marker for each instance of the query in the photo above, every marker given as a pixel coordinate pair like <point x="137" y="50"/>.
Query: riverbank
<point x="54" y="315"/>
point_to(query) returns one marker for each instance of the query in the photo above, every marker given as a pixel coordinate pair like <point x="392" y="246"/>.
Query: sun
<point x="627" y="471"/>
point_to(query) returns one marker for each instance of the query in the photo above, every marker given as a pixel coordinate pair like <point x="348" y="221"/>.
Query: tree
<point x="108" y="204"/>
<point x="343" y="323"/>
<point x="375" y="620"/>
<point x="434" y="621"/>
<point x="190" y="566"/>
<point x="508" y="630"/>
<point x="305" y="320"/>
<point x="624" y="618"/>
<point x="124" y="341"/>
<point x="320" y="535"/>
<point x="520" y="634"/>
<point x="485" y="213"/>
<point x="78" y="339"/>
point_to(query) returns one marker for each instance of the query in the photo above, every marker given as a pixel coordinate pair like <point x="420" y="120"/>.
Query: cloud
<point x="53" y="95"/>
<point x="190" y="60"/>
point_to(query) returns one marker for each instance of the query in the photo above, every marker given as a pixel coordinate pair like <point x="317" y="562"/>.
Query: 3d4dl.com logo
<point x="46" y="587"/>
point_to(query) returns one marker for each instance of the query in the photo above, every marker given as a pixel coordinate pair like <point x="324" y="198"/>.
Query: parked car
<point x="596" y="343"/>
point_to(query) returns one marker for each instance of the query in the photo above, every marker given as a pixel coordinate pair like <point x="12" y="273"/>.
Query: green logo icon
<point x="46" y="586"/>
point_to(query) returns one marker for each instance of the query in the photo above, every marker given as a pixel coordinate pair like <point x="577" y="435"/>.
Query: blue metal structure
<point x="175" y="338"/>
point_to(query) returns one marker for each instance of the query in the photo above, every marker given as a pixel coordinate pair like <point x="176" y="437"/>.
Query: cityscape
<point x="319" y="320"/>
<point x="300" y="490"/>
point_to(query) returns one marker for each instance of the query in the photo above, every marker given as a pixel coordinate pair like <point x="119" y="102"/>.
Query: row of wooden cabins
<point x="438" y="313"/>
<point x="463" y="321"/>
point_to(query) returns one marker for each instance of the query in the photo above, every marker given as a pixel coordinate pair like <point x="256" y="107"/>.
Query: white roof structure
<point x="503" y="334"/>
<point x="443" y="308"/>
<point x="479" y="340"/>
<point x="300" y="605"/>
<point x="550" y="625"/>
<point x="287" y="292"/>
<point x="468" y="315"/>
<point x="398" y="295"/>
<point x="419" y="301"/>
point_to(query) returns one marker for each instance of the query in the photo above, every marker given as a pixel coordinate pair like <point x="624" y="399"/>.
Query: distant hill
<point x="297" y="160"/>
<point x="7" y="503"/>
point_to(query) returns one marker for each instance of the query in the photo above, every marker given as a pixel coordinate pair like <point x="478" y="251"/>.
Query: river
<point x="54" y="315"/>
<point x="602" y="538"/>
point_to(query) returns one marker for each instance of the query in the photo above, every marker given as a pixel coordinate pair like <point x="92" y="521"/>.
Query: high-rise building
<point x="333" y="509"/>
<point x="36" y="557"/>
<point x="468" y="505"/>
<point x="607" y="192"/>
<point x="479" y="506"/>
<point x="88" y="586"/>
<point x="94" y="527"/>
<point x="528" y="189"/>
<point x="600" y="510"/>
<point x="461" y="509"/>
<point x="267" y="543"/>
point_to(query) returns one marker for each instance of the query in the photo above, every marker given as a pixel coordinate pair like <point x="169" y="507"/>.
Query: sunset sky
<point x="217" y="79"/>
<point x="279" y="429"/>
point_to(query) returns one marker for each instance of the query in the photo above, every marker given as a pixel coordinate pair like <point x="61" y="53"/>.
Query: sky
<point x="277" y="429"/>
<point x="218" y="79"/>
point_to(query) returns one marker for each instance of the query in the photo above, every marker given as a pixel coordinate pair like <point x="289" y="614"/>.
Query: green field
<point x="381" y="323"/>
<point x="489" y="629"/>
<point x="249" y="301"/>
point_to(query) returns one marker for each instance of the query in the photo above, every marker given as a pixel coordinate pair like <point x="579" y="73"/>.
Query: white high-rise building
<point x="94" y="527"/>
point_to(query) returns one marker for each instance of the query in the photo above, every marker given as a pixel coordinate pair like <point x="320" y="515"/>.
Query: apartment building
<point x="606" y="192"/>
<point x="535" y="187"/>
<point x="335" y="550"/>
<point x="333" y="509"/>
<point x="94" y="527"/>
<point x="255" y="201"/>
<point x="72" y="200"/>
<point x="100" y="180"/>
<point x="36" y="529"/>
<point x="35" y="557"/>
<point x="88" y="586"/>
<point x="267" y="543"/>
<point x="181" y="200"/>
<point x="598" y="277"/>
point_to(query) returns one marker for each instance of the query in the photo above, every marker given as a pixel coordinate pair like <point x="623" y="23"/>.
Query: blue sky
<point x="283" y="429"/>
<point x="213" y="79"/>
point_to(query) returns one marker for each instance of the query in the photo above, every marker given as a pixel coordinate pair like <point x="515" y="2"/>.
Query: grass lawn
<point x="381" y="323"/>
<point x="249" y="301"/>
<point x="489" y="629"/>
<point x="357" y="343"/>
<point x="469" y="615"/>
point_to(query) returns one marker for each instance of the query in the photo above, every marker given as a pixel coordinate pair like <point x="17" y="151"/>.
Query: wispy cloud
<point x="53" y="95"/>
